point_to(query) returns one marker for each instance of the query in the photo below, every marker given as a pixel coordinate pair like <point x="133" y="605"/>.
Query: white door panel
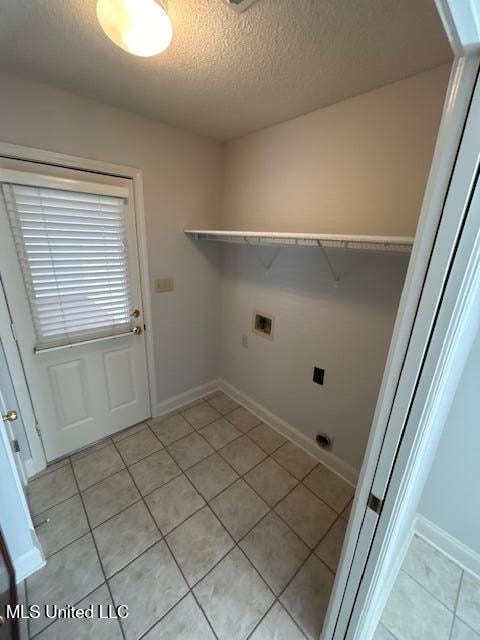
<point x="120" y="377"/>
<point x="87" y="390"/>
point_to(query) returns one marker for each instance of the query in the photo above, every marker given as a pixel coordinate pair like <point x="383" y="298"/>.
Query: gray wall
<point x="182" y="177"/>
<point x="451" y="498"/>
<point x="356" y="167"/>
<point x="344" y="328"/>
<point x="359" y="166"/>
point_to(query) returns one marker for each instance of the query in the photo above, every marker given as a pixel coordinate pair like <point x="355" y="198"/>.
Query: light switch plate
<point x="162" y="285"/>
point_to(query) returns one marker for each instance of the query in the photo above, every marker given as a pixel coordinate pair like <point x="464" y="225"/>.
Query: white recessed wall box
<point x="263" y="324"/>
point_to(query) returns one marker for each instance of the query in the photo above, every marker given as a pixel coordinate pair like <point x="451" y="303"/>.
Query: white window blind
<point x="73" y="253"/>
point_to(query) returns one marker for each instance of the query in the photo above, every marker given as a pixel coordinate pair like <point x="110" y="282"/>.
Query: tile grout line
<point x="282" y="606"/>
<point x="241" y="476"/>
<point x="430" y="593"/>
<point x="299" y="482"/>
<point x="163" y="537"/>
<point x="207" y="502"/>
<point x="68" y="544"/>
<point x="27" y="602"/>
<point x="50" y="624"/>
<point x="157" y="622"/>
<point x="267" y="455"/>
<point x="99" y="559"/>
<point x="205" y="400"/>
<point x="147" y="428"/>
<point x="190" y="590"/>
<point x="457" y="598"/>
<point x="236" y="544"/>
<point x="37" y="515"/>
<point x="48" y="470"/>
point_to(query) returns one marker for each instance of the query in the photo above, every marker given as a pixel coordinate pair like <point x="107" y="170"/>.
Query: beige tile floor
<point x="432" y="599"/>
<point x="207" y="523"/>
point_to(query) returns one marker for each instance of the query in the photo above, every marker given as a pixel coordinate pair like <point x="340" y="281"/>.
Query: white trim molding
<point x="333" y="462"/>
<point x="52" y="158"/>
<point x="28" y="564"/>
<point x="461" y="21"/>
<point x="197" y="393"/>
<point x="456" y="550"/>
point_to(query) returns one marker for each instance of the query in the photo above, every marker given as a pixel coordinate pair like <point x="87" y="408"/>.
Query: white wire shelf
<point x="385" y="244"/>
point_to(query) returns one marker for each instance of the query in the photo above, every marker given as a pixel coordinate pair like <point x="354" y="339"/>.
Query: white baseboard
<point x="32" y="467"/>
<point x="333" y="462"/>
<point x="187" y="396"/>
<point x="27" y="564"/>
<point x="462" y="555"/>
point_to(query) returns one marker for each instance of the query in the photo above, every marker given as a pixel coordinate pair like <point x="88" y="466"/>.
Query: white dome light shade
<point x="140" y="27"/>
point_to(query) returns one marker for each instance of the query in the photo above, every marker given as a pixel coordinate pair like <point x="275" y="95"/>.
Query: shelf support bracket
<point x="258" y="253"/>
<point x="333" y="273"/>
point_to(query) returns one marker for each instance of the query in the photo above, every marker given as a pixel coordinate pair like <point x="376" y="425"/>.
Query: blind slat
<point x="73" y="254"/>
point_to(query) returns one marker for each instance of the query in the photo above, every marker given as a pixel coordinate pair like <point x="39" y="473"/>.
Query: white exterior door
<point x="70" y="269"/>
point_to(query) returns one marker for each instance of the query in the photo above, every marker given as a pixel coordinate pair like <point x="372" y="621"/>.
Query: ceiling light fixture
<point x="240" y="5"/>
<point x="140" y="27"/>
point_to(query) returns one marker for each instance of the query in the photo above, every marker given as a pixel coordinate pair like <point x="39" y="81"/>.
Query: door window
<point x="73" y="254"/>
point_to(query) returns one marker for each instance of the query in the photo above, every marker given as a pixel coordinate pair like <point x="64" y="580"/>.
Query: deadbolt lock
<point x="136" y="313"/>
<point x="10" y="416"/>
<point x="137" y="331"/>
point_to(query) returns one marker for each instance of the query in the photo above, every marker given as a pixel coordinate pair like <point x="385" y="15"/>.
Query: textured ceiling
<point x="227" y="74"/>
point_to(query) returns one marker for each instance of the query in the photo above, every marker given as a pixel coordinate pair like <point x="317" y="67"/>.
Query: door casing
<point x="42" y="157"/>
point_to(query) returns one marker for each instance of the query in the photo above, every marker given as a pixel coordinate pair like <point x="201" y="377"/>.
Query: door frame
<point x="44" y="157"/>
<point x="38" y="461"/>
<point x="367" y="566"/>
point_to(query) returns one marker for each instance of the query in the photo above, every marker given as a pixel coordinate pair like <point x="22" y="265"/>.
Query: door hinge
<point x="14" y="333"/>
<point x="374" y="503"/>
<point x="37" y="429"/>
<point x="16" y="446"/>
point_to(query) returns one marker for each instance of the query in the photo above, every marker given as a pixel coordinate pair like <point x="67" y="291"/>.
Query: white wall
<point x="345" y="330"/>
<point x="182" y="183"/>
<point x="357" y="167"/>
<point x="451" y="497"/>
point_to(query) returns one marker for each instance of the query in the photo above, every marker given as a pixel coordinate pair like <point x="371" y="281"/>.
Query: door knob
<point x="137" y="330"/>
<point x="10" y="416"/>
